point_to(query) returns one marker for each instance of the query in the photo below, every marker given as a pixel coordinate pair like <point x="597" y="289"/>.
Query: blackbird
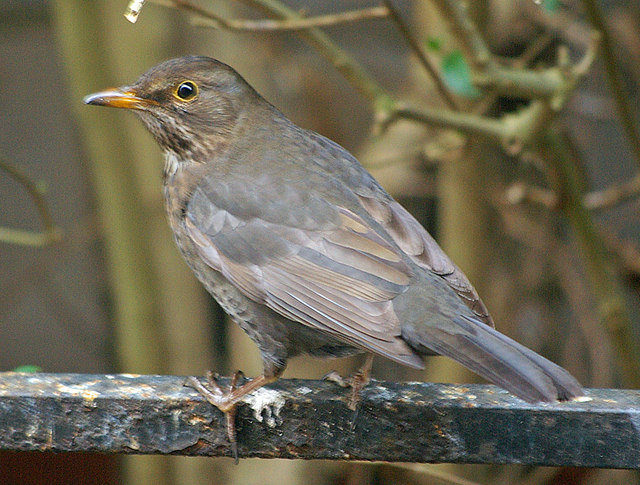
<point x="302" y="247"/>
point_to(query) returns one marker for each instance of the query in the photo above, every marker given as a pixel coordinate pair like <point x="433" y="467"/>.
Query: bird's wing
<point x="318" y="264"/>
<point x="404" y="229"/>
<point x="416" y="242"/>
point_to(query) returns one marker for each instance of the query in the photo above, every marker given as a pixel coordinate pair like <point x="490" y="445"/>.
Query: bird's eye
<point x="186" y="91"/>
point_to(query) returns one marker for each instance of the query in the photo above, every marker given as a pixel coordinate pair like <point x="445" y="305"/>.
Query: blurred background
<point x="113" y="294"/>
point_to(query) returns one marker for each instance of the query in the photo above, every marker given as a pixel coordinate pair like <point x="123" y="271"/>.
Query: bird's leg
<point x="227" y="401"/>
<point x="359" y="380"/>
<point x="356" y="382"/>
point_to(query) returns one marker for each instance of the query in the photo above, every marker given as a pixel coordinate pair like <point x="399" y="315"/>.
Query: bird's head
<point x="189" y="104"/>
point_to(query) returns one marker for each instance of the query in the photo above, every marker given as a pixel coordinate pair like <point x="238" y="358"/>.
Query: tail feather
<point x="495" y="357"/>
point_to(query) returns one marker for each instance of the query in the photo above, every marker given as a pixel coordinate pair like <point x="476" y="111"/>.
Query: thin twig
<point x="289" y="24"/>
<point x="555" y="82"/>
<point x="608" y="198"/>
<point x="533" y="50"/>
<point x="613" y="196"/>
<point x="627" y="251"/>
<point x="422" y="56"/>
<point x="471" y="41"/>
<point x="596" y="200"/>
<point x="627" y="118"/>
<point x="514" y="131"/>
<point x="563" y="24"/>
<point x="207" y="18"/>
<point x="51" y="233"/>
<point x="520" y="192"/>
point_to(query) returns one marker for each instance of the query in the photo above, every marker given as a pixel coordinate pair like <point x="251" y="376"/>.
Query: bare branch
<point x="473" y="45"/>
<point x="51" y="233"/>
<point x="613" y="196"/>
<point x="627" y="118"/>
<point x="520" y="192"/>
<point x="556" y="82"/>
<point x="291" y="23"/>
<point x="433" y="72"/>
<point x="625" y="250"/>
<point x="562" y="24"/>
<point x="514" y="131"/>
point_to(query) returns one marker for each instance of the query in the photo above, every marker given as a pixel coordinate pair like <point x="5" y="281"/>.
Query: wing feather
<point x="415" y="241"/>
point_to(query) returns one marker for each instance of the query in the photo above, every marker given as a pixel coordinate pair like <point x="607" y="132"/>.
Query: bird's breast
<point x="180" y="178"/>
<point x="171" y="166"/>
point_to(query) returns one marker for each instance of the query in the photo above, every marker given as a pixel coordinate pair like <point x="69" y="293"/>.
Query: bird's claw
<point x="225" y="401"/>
<point x="356" y="382"/>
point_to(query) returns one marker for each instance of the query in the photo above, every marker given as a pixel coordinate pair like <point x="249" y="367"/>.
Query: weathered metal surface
<point x="411" y="422"/>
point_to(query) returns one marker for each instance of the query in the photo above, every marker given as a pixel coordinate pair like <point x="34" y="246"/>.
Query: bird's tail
<point x="495" y="357"/>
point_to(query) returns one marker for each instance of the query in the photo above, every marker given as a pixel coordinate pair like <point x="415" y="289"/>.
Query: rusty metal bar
<point x="409" y="422"/>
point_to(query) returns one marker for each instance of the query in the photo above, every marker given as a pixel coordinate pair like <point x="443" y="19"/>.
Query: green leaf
<point x="457" y="75"/>
<point x="32" y="369"/>
<point x="551" y="5"/>
<point x="434" y="44"/>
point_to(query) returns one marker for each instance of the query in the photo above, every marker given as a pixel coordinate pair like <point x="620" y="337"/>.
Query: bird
<point x="303" y="248"/>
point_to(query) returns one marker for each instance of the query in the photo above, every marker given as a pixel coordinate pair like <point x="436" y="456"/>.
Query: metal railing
<point x="399" y="422"/>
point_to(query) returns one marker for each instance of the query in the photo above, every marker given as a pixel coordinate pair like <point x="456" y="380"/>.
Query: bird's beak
<point x="118" y="98"/>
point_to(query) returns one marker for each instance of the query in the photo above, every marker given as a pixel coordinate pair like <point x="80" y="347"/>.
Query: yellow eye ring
<point x="186" y="91"/>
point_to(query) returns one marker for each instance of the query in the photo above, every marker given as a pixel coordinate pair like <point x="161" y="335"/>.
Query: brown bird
<point x="302" y="246"/>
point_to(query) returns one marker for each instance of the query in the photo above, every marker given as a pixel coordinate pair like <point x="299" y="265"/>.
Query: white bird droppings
<point x="268" y="401"/>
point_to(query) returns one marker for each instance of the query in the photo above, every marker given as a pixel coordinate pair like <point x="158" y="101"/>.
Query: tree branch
<point x="209" y="19"/>
<point x="420" y="53"/>
<point x="51" y="234"/>
<point x="614" y="195"/>
<point x="627" y="118"/>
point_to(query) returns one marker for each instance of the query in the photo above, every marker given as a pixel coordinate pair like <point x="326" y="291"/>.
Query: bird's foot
<point x="213" y="393"/>
<point x="225" y="401"/>
<point x="356" y="382"/>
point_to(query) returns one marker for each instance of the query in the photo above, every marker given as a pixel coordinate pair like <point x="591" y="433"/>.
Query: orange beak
<point x="117" y="98"/>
